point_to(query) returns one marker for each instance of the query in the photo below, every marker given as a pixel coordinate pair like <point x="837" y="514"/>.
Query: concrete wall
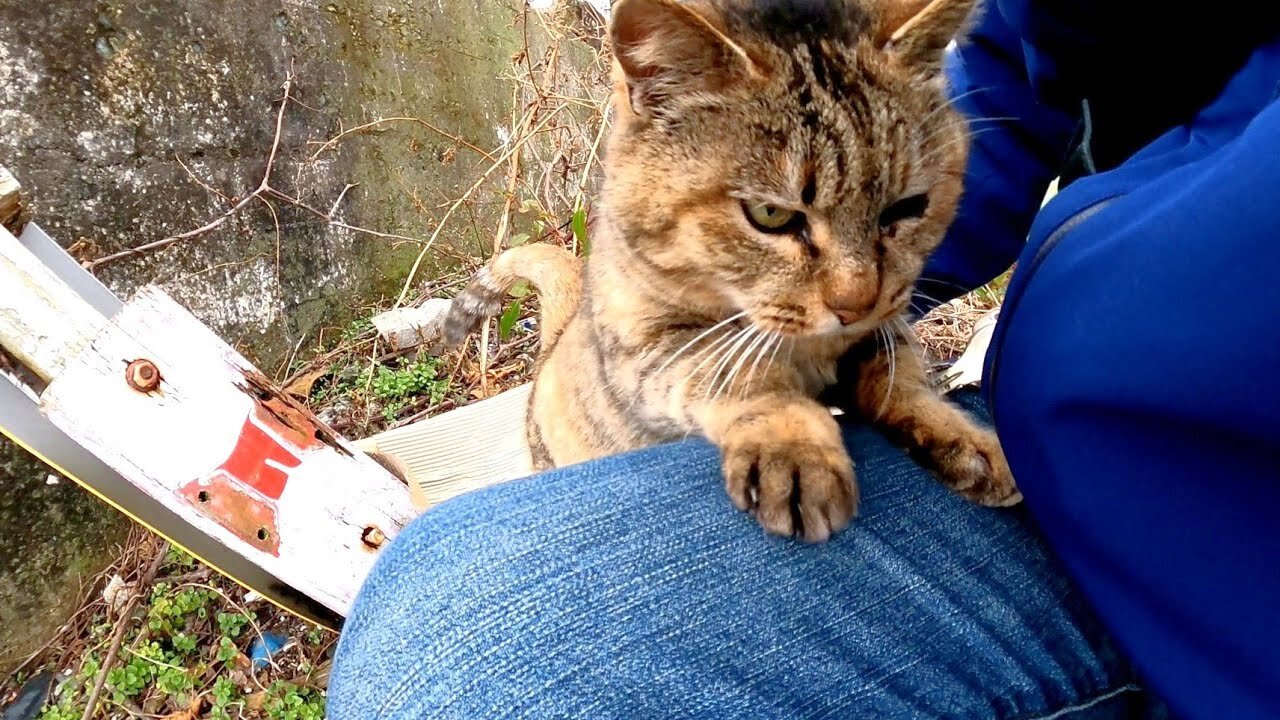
<point x="99" y="101"/>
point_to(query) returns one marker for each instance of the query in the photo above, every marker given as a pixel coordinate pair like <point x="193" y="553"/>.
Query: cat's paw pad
<point x="795" y="488"/>
<point x="974" y="466"/>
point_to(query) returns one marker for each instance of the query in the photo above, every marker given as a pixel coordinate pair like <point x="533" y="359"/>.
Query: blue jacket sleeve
<point x="1019" y="142"/>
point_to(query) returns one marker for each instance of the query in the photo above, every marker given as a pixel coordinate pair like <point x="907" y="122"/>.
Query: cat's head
<point x="793" y="158"/>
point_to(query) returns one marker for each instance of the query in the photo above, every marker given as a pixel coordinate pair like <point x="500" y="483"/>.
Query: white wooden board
<point x="196" y="443"/>
<point x="462" y="450"/>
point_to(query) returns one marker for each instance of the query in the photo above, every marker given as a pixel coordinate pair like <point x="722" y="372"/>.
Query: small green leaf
<point x="519" y="290"/>
<point x="508" y="320"/>
<point x="580" y="230"/>
<point x="519" y="239"/>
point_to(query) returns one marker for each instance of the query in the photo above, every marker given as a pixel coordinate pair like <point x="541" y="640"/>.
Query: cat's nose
<point x="852" y="305"/>
<point x="847" y="317"/>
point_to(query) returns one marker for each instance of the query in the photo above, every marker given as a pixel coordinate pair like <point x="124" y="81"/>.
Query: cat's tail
<point x="552" y="270"/>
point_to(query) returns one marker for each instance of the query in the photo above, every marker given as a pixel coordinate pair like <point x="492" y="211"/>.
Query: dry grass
<point x="944" y="332"/>
<point x="545" y="171"/>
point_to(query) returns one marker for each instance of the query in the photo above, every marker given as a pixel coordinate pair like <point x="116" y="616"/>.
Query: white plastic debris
<point x="52" y="479"/>
<point x="966" y="371"/>
<point x="409" y="327"/>
<point x="117" y="593"/>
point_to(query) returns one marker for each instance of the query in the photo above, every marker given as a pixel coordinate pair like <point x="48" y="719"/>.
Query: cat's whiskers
<point x="892" y="353"/>
<point x="716" y="342"/>
<point x="968" y="123"/>
<point x="953" y="101"/>
<point x="748" y="351"/>
<point x="699" y="336"/>
<point x="711" y="352"/>
<point x="926" y="296"/>
<point x="970" y="136"/>
<point x="775" y="339"/>
<point x="904" y="329"/>
<point x="727" y="357"/>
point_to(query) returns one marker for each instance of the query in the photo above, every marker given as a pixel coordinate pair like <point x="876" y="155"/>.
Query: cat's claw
<point x="793" y="487"/>
<point x="975" y="466"/>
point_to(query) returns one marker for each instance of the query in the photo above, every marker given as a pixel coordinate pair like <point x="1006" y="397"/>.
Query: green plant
<point x="169" y="610"/>
<point x="227" y="650"/>
<point x="509" y="318"/>
<point x="315" y="636"/>
<point x="223" y="697"/>
<point x="61" y="712"/>
<point x="356" y="328"/>
<point x="129" y="680"/>
<point x="232" y="624"/>
<point x="290" y="702"/>
<point x="579" y="225"/>
<point x="180" y="558"/>
<point x="393" y="387"/>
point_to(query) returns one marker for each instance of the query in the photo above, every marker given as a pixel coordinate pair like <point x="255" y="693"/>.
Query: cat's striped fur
<point x="695" y="316"/>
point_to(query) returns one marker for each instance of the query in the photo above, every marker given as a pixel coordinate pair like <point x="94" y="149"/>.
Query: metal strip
<point x="65" y="267"/>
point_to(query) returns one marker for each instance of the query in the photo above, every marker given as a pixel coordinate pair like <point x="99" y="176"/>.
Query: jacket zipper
<point x="1010" y="304"/>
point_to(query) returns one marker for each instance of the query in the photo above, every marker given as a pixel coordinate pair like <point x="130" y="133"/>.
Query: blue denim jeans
<point x="631" y="588"/>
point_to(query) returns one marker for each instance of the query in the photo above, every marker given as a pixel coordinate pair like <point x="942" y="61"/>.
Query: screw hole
<point x="262" y="533"/>
<point x="203" y="496"/>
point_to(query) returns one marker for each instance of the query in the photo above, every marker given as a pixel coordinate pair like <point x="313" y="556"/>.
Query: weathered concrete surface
<point x="98" y="101"/>
<point x="55" y="537"/>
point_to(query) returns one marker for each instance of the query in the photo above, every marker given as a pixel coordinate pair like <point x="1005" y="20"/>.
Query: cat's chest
<point x="817" y="373"/>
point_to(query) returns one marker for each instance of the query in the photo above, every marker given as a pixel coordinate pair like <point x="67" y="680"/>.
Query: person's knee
<point x="422" y="577"/>
<point x="459" y="597"/>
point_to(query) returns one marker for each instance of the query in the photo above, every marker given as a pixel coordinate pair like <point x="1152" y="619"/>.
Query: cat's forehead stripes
<point x="837" y="119"/>
<point x="790" y="22"/>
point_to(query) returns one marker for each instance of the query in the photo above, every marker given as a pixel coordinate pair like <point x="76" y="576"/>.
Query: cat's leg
<point x="783" y="460"/>
<point x="894" y="393"/>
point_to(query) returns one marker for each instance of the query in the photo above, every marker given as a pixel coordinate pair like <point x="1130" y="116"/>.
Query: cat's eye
<point x="907" y="208"/>
<point x="773" y="219"/>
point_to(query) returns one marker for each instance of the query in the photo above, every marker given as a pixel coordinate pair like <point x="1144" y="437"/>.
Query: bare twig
<point x="331" y="142"/>
<point x="122" y="626"/>
<point x="328" y="217"/>
<point x="334" y="207"/>
<point x="275" y="222"/>
<point x="265" y="189"/>
<point x="217" y="222"/>
<point x="200" y="182"/>
<point x="516" y="144"/>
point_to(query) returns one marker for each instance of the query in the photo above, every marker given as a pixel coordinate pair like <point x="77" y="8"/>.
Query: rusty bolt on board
<point x="142" y="375"/>
<point x="373" y="537"/>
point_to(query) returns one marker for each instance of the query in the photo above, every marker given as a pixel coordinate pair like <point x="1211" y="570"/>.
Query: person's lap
<point x="631" y="588"/>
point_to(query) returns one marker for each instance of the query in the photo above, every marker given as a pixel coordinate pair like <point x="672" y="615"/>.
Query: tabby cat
<point x="776" y="175"/>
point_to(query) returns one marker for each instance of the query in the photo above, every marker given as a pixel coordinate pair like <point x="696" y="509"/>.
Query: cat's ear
<point x="666" y="49"/>
<point x="917" y="32"/>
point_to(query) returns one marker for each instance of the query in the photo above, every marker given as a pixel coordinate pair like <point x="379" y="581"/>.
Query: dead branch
<point x="333" y="141"/>
<point x="122" y="626"/>
<point x="516" y="144"/>
<point x="214" y="224"/>
<point x="265" y="189"/>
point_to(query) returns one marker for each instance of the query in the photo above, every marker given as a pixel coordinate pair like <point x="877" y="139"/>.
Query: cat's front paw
<point x="793" y="473"/>
<point x="972" y="464"/>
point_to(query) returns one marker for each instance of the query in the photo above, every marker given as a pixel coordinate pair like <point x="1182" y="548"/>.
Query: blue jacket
<point x="1134" y="377"/>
